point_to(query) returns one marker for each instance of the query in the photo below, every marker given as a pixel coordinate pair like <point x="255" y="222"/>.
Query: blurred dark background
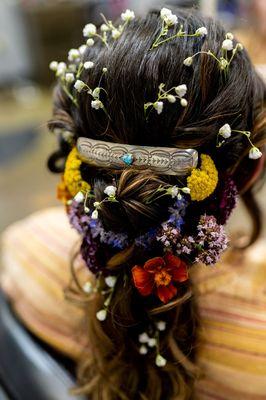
<point x="34" y="32"/>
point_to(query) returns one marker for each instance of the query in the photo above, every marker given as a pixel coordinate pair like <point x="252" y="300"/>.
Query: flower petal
<point x="142" y="280"/>
<point x="176" y="267"/>
<point x="172" y="261"/>
<point x="166" y="293"/>
<point x="154" y="264"/>
<point x="180" y="274"/>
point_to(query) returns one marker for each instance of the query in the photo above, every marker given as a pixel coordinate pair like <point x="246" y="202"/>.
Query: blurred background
<point x="34" y="32"/>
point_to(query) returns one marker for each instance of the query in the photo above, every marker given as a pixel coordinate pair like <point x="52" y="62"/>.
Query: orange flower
<point x="158" y="274"/>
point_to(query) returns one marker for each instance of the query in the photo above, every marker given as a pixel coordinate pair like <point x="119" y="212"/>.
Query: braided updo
<point x="116" y="368"/>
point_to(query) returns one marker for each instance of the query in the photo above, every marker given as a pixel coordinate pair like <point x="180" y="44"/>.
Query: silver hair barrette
<point x="164" y="160"/>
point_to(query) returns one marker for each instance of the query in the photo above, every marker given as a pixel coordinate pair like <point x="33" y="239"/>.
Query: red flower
<point x="158" y="274"/>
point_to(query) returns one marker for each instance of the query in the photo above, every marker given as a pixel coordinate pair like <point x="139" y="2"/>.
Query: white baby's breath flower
<point x="161" y="325"/>
<point x="225" y="131"/>
<point x="101" y="315"/>
<point x="165" y="12"/>
<point x="152" y="342"/>
<point x="171" y="98"/>
<point x="79" y="198"/>
<point x="143" y="350"/>
<point x="174" y="191"/>
<point x="70" y="77"/>
<point x="110" y="281"/>
<point x="160" y="361"/>
<point x="95" y="214"/>
<point x="88" y="64"/>
<point x="229" y="36"/>
<point x="128" y="15"/>
<point x="87" y="287"/>
<point x="186" y="190"/>
<point x="61" y="69"/>
<point x="90" y="42"/>
<point x="183" y="102"/>
<point x="116" y="34"/>
<point x="239" y="46"/>
<point x="82" y="48"/>
<point x="143" y="338"/>
<point x="202" y="31"/>
<point x="188" y="61"/>
<point x="86" y="209"/>
<point x="96" y="104"/>
<point x="53" y="66"/>
<point x="181" y="90"/>
<point x="105" y="70"/>
<point x="170" y="20"/>
<point x="110" y="191"/>
<point x="254" y="153"/>
<point x="79" y="85"/>
<point x="227" y="45"/>
<point x="73" y="54"/>
<point x="158" y="105"/>
<point x="89" y="30"/>
<point x="104" y="28"/>
<point x="96" y="204"/>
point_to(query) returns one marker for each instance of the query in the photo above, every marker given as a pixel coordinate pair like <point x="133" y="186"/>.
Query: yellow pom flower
<point x="72" y="176"/>
<point x="203" y="181"/>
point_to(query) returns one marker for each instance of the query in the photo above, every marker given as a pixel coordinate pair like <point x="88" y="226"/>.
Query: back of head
<point x="165" y="83"/>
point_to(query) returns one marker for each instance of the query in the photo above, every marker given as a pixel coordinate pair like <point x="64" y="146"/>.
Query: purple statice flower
<point x="147" y="238"/>
<point x="113" y="239"/>
<point x="168" y="235"/>
<point x="177" y="212"/>
<point x="88" y="251"/>
<point x="78" y="219"/>
<point x="228" y="200"/>
<point x="211" y="240"/>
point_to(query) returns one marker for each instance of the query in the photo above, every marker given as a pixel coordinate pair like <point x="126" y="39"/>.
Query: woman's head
<point x="135" y="222"/>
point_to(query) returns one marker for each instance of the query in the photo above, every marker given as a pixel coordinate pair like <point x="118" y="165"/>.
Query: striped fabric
<point x="231" y="298"/>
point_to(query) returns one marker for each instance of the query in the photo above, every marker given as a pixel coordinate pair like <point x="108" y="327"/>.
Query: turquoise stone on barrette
<point x="127" y="158"/>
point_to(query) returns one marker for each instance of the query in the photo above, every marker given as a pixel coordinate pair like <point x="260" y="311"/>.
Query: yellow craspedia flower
<point x="72" y="176"/>
<point x="203" y="181"/>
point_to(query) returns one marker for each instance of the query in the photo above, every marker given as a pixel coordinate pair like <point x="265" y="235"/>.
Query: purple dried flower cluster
<point x="212" y="239"/>
<point x="78" y="219"/>
<point x="147" y="238"/>
<point x="88" y="252"/>
<point x="116" y="240"/>
<point x="228" y="200"/>
<point x="168" y="235"/>
<point x="209" y="243"/>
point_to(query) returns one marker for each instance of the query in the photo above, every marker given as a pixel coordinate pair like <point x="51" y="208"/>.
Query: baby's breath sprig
<point x="110" y="191"/>
<point x="171" y="95"/>
<point x="80" y="86"/>
<point x="169" y="20"/>
<point x="174" y="191"/>
<point x="107" y="29"/>
<point x="226" y="131"/>
<point x="224" y="60"/>
<point x="110" y="282"/>
<point x="149" y="342"/>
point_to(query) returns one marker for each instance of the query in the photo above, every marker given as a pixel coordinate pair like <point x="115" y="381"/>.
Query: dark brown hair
<point x="115" y="369"/>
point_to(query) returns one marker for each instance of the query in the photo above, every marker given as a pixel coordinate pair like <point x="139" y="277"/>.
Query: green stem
<point x="178" y="34"/>
<point x="80" y="69"/>
<point x="72" y="98"/>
